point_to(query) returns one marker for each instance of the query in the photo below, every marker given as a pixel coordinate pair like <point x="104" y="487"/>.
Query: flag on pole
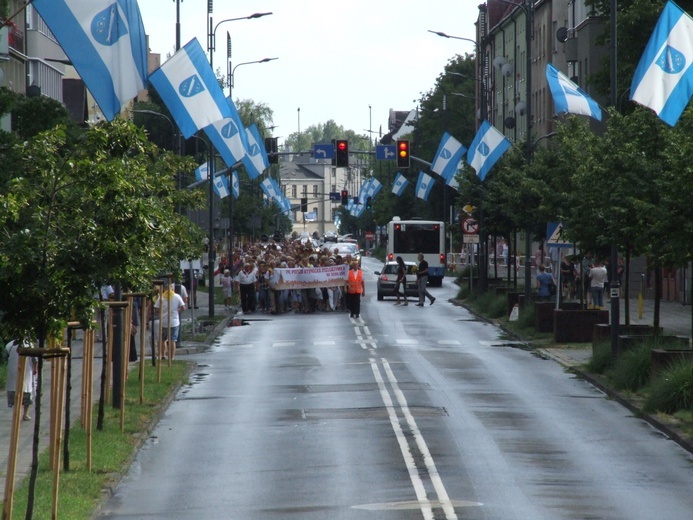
<point x="235" y="185"/>
<point x="400" y="183"/>
<point x="568" y="97"/>
<point x="201" y="172"/>
<point x="105" y="42"/>
<point x="663" y="80"/>
<point x="221" y="186"/>
<point x="488" y="146"/>
<point x="269" y="188"/>
<point x="374" y="188"/>
<point x="255" y="159"/>
<point x="229" y="138"/>
<point x="448" y="157"/>
<point x="190" y="90"/>
<point x="423" y="185"/>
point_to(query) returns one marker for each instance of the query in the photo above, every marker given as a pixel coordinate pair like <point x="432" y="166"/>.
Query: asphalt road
<point x="405" y="413"/>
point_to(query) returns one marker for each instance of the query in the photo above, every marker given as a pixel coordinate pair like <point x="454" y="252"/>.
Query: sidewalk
<point x="27" y="428"/>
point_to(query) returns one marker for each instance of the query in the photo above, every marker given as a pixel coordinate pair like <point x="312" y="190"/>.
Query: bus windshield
<point x="416" y="238"/>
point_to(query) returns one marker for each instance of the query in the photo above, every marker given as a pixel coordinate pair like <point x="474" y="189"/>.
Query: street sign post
<point x="554" y="235"/>
<point x="470" y="226"/>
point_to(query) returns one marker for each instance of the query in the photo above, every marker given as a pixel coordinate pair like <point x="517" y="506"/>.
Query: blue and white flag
<point x="374" y="188"/>
<point x="270" y="188"/>
<point x="190" y="90"/>
<point x="663" y="80"/>
<point x="221" y="186"/>
<point x="448" y="157"/>
<point x="488" y="146"/>
<point x="365" y="187"/>
<point x="202" y="172"/>
<point x="424" y="185"/>
<point x="400" y="184"/>
<point x="568" y="97"/>
<point x="235" y="184"/>
<point x="228" y="137"/>
<point x="255" y="160"/>
<point x="105" y="42"/>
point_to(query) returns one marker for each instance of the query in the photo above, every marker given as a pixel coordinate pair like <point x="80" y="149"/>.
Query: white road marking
<point x="407" y="342"/>
<point x="283" y="343"/>
<point x="448" y="342"/>
<point x="324" y="343"/>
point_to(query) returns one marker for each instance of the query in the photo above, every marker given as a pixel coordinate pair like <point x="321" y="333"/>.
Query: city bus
<point x="408" y="238"/>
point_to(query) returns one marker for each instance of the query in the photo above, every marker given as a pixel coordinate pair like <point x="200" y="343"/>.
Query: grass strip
<point x="81" y="491"/>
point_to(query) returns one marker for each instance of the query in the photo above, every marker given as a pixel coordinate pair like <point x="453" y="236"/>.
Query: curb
<point x="671" y="432"/>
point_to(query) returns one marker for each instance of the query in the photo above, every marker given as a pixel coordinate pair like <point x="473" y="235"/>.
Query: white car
<point x="387" y="279"/>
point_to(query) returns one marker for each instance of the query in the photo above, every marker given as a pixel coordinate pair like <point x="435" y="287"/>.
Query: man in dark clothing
<point x="422" y="281"/>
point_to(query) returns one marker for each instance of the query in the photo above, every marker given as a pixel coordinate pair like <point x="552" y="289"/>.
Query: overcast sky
<point x="336" y="58"/>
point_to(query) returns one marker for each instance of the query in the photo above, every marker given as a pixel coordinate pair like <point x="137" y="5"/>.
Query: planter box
<point x="660" y="359"/>
<point x="629" y="342"/>
<point x="602" y="332"/>
<point x="543" y="314"/>
<point x="576" y="326"/>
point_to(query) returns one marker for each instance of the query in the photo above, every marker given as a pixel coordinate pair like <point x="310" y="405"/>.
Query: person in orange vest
<point x="356" y="289"/>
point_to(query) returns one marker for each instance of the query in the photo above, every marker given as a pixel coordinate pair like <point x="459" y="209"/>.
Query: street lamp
<point x="233" y="71"/>
<point x="174" y="141"/>
<point x="211" y="44"/>
<point x="481" y="116"/>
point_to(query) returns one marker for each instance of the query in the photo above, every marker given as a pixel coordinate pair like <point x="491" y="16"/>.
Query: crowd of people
<point x="251" y="266"/>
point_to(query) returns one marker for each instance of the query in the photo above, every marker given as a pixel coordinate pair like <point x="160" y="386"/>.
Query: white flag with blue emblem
<point x="269" y="189"/>
<point x="235" y="185"/>
<point x="488" y="146"/>
<point x="201" y="172"/>
<point x="424" y="185"/>
<point x="105" y="42"/>
<point x="568" y="97"/>
<point x="663" y="80"/>
<point x="374" y="188"/>
<point x="190" y="90"/>
<point x="255" y="160"/>
<point x="221" y="186"/>
<point x="400" y="184"/>
<point x="448" y="157"/>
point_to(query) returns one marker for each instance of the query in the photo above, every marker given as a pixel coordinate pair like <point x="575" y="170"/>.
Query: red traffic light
<point x="342" y="153"/>
<point x="341" y="145"/>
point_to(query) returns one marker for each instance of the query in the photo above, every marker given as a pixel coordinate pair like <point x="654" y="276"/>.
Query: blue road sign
<point x="323" y="151"/>
<point x="335" y="196"/>
<point x="554" y="238"/>
<point x="385" y="152"/>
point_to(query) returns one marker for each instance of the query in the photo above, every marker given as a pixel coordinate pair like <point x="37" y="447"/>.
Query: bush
<point x="632" y="369"/>
<point x="527" y="317"/>
<point x="601" y="358"/>
<point x="673" y="389"/>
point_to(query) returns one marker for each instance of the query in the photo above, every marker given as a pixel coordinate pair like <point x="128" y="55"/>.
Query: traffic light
<point x="271" y="148"/>
<point x="304" y="205"/>
<point x="341" y="151"/>
<point x="345" y="197"/>
<point x="403" y="159"/>
<point x="369" y="202"/>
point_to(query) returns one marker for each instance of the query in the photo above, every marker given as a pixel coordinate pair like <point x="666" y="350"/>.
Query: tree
<point x="76" y="213"/>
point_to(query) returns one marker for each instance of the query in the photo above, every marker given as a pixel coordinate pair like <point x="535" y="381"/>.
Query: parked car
<point x="346" y="248"/>
<point x="388" y="277"/>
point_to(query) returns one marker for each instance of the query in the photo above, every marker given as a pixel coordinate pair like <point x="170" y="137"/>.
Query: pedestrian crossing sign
<point x="554" y="235"/>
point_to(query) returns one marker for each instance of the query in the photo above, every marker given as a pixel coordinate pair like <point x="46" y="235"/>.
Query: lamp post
<point x="481" y="80"/>
<point x="174" y="134"/>
<point x="211" y="40"/>
<point x="211" y="44"/>
<point x="233" y="70"/>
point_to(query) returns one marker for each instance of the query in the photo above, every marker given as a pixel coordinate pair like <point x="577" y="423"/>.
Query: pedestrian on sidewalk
<point x="544" y="282"/>
<point x="597" y="279"/>
<point x="30" y="372"/>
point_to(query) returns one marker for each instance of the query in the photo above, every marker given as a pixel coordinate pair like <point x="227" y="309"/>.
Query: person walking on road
<point x="172" y="305"/>
<point x="422" y="281"/>
<point x="356" y="289"/>
<point x="401" y="281"/>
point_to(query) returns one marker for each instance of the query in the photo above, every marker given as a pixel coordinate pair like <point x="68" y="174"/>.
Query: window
<point x="304" y="193"/>
<point x="315" y="191"/>
<point x="293" y="191"/>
